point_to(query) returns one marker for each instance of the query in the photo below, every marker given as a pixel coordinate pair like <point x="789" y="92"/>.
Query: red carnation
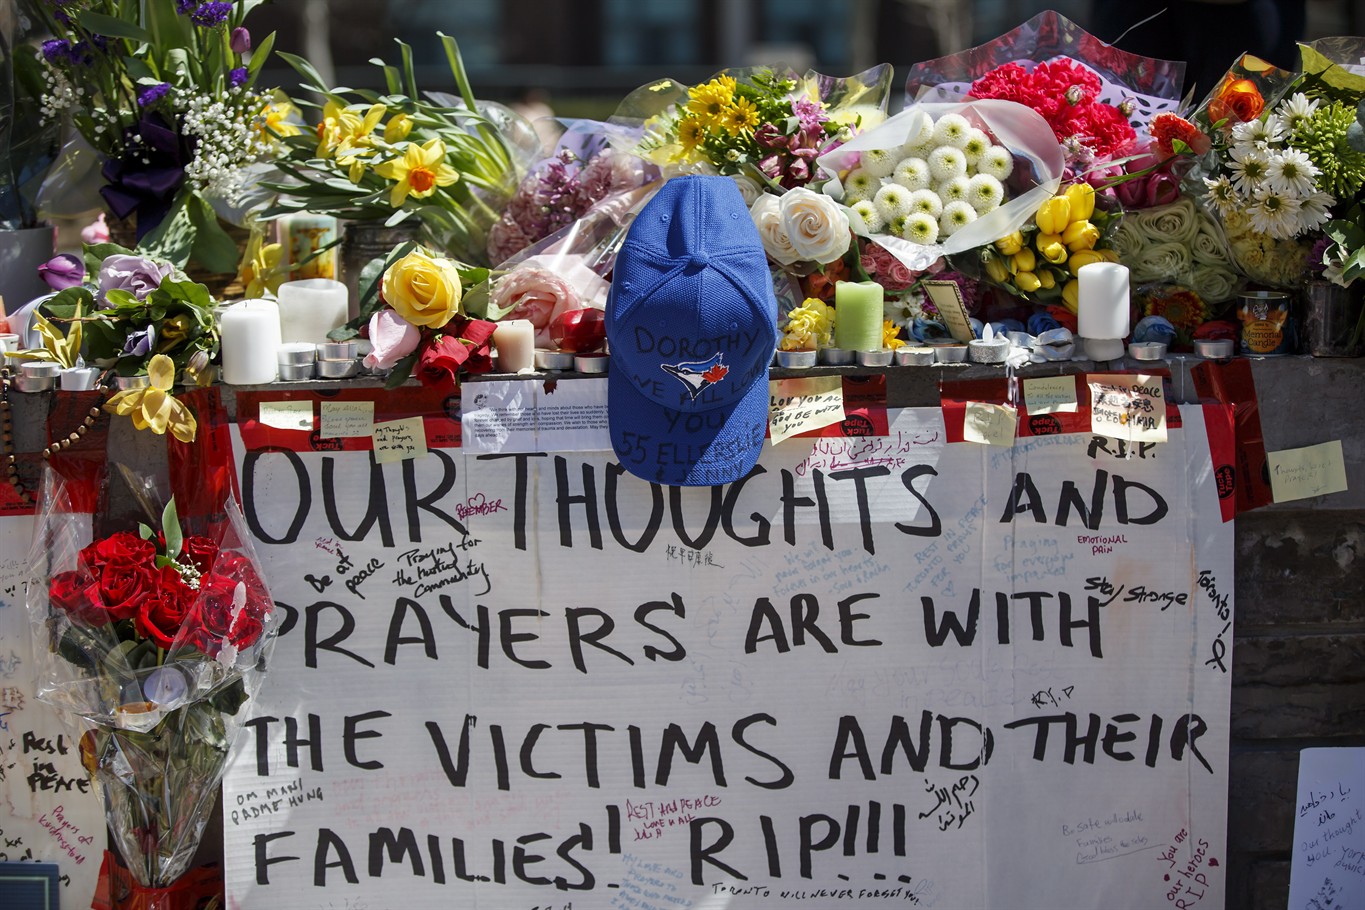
<point x="1168" y="127"/>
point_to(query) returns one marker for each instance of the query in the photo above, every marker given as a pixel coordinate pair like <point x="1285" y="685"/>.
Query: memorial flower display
<point x="152" y="640"/>
<point x="166" y="94"/>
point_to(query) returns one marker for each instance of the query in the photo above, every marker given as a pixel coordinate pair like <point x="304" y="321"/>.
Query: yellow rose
<point x="423" y="290"/>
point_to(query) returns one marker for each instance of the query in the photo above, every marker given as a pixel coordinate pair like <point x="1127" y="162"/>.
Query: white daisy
<point x="947" y="162"/>
<point x="920" y="228"/>
<point x="912" y="173"/>
<point x="954" y="190"/>
<point x="1223" y="196"/>
<point x="1291" y="172"/>
<point x="955" y="217"/>
<point x="926" y="201"/>
<point x="1296" y="110"/>
<point x="893" y="201"/>
<point x="976" y="145"/>
<point x="984" y="193"/>
<point x="879" y="162"/>
<point x="1258" y="133"/>
<point x="997" y="161"/>
<point x="1314" y="211"/>
<point x="866" y="211"/>
<point x="1273" y="213"/>
<point x="1249" y="169"/>
<point x="859" y="184"/>
<point x="953" y="130"/>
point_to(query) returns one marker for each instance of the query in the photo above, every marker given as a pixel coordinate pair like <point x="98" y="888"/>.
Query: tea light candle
<point x="515" y="341"/>
<point x="1103" y="309"/>
<point x="250" y="332"/>
<point x="989" y="348"/>
<point x="311" y="308"/>
<point x="305" y="234"/>
<point x="858" y="315"/>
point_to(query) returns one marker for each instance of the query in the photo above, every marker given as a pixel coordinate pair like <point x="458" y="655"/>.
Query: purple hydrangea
<point x="152" y="94"/>
<point x="211" y="15"/>
<point x="237" y="76"/>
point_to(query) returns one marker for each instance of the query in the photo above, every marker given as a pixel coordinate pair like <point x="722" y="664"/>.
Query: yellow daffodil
<point x="739" y="118"/>
<point x="397" y="129"/>
<point x="337" y="123"/>
<point x="359" y="136"/>
<point x="259" y="269"/>
<point x="154" y="408"/>
<point x="418" y="173"/>
<point x="275" y="120"/>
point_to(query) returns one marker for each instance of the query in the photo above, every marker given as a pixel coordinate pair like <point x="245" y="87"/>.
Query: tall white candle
<point x="515" y="341"/>
<point x="311" y="308"/>
<point x="250" y="333"/>
<point x="1103" y="308"/>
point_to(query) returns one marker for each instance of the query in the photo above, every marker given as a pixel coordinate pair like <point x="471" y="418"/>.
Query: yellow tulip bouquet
<point x="452" y="163"/>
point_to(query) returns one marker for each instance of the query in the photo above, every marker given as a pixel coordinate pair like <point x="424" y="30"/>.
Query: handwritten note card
<point x="396" y="440"/>
<point x="1128" y="406"/>
<point x="1310" y="471"/>
<point x="1328" y="871"/>
<point x="1050" y="394"/>
<point x="990" y="424"/>
<point x="347" y="419"/>
<point x="288" y="415"/>
<point x="799" y="405"/>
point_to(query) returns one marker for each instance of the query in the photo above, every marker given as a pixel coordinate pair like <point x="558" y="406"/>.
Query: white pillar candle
<point x="1103" y="308"/>
<point x="250" y="332"/>
<point x="515" y="341"/>
<point x="311" y="308"/>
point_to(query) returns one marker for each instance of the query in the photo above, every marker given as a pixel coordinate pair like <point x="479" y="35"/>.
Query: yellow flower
<point x="1010" y="243"/>
<point x="1052" y="248"/>
<point x="740" y="118"/>
<point x="1053" y="215"/>
<point x="337" y="123"/>
<point x="809" y="326"/>
<point x="1083" y="257"/>
<point x="153" y="408"/>
<point x="397" y="129"/>
<point x="359" y="136"/>
<point x="1027" y="282"/>
<point x="418" y="173"/>
<point x="1080" y="235"/>
<point x="1071" y="293"/>
<point x="274" y="120"/>
<point x="691" y="133"/>
<point x="423" y="290"/>
<point x="709" y="101"/>
<point x="259" y="269"/>
<point x="891" y="335"/>
<point x="1081" y="197"/>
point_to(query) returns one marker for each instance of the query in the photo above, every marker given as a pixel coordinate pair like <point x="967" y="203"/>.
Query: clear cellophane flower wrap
<point x="1035" y="175"/>
<point x="151" y="636"/>
<point x="1146" y="85"/>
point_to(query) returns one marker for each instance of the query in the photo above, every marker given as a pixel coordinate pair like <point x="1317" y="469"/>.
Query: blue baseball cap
<point x="691" y="326"/>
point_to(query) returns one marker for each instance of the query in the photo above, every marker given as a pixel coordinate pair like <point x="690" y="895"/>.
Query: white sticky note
<point x="1129" y="406"/>
<point x="397" y="440"/>
<point x="343" y="419"/>
<point x="990" y="424"/>
<point x="1050" y="395"/>
<point x="1310" y="471"/>
<point x="804" y="404"/>
<point x="288" y="415"/>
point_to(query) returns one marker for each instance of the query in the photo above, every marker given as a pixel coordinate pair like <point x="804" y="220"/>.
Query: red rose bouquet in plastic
<point x="153" y="640"/>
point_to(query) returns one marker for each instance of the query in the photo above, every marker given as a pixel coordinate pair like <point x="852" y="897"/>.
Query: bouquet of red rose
<point x="153" y="640"/>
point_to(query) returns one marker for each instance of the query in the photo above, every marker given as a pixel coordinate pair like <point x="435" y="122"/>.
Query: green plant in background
<point x="27" y="145"/>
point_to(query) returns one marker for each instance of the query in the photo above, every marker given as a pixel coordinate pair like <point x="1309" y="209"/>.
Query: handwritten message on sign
<point x="1329" y="831"/>
<point x="1050" y="394"/>
<point x="882" y="670"/>
<point x="990" y="424"/>
<point x="1128" y="406"/>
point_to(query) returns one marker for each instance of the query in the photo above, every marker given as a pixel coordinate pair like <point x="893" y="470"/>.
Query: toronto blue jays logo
<point x="698" y="375"/>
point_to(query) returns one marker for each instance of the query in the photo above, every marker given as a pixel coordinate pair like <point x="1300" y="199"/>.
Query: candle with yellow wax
<point x="858" y="315"/>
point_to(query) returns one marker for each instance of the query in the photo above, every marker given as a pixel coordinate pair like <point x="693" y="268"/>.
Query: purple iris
<point x="237" y="76"/>
<point x="152" y="94"/>
<point x="211" y="15"/>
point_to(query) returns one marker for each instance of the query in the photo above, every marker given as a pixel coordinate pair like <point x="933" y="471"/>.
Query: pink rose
<point x="535" y="294"/>
<point x="393" y="338"/>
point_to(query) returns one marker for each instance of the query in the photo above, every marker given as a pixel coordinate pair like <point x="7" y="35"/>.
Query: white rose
<point x="748" y="188"/>
<point x="816" y="225"/>
<point x="767" y="214"/>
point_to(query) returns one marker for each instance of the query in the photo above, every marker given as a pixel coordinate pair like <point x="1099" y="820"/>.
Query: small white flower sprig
<point x="941" y="180"/>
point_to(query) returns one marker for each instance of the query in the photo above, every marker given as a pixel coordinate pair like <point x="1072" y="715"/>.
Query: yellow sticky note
<point x="1129" y="406"/>
<point x="397" y="440"/>
<point x="288" y="415"/>
<point x="1310" y="471"/>
<point x="990" y="424"/>
<point x="1050" y="395"/>
<point x="347" y="419"/>
<point x="803" y="404"/>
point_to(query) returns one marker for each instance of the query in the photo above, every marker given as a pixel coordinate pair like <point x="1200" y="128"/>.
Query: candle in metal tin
<point x="1213" y="348"/>
<point x="914" y="357"/>
<point x="875" y="358"/>
<point x="837" y="357"/>
<point x="554" y="360"/>
<point x="796" y="360"/>
<point x="1147" y="350"/>
<point x="590" y="363"/>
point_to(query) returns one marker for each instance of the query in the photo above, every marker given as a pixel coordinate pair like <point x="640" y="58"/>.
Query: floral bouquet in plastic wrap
<point x="152" y="637"/>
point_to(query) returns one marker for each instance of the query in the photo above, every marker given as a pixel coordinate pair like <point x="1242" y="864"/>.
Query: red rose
<point x="201" y="552"/>
<point x="579" y="331"/>
<point x="218" y="618"/>
<point x="122" y="588"/>
<point x="162" y="612"/>
<point x="462" y="346"/>
<point x="70" y="592"/>
<point x="123" y="548"/>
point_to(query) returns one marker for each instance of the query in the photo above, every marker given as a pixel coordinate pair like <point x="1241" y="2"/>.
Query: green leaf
<point x="173" y="238"/>
<point x="212" y="247"/>
<point x="96" y="253"/>
<point x="260" y="54"/>
<point x="401" y="372"/>
<point x="475" y="301"/>
<point x="457" y="69"/>
<point x="409" y="76"/>
<point x="144" y="531"/>
<point x="306" y="70"/>
<point x="101" y="24"/>
<point x="170" y="526"/>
